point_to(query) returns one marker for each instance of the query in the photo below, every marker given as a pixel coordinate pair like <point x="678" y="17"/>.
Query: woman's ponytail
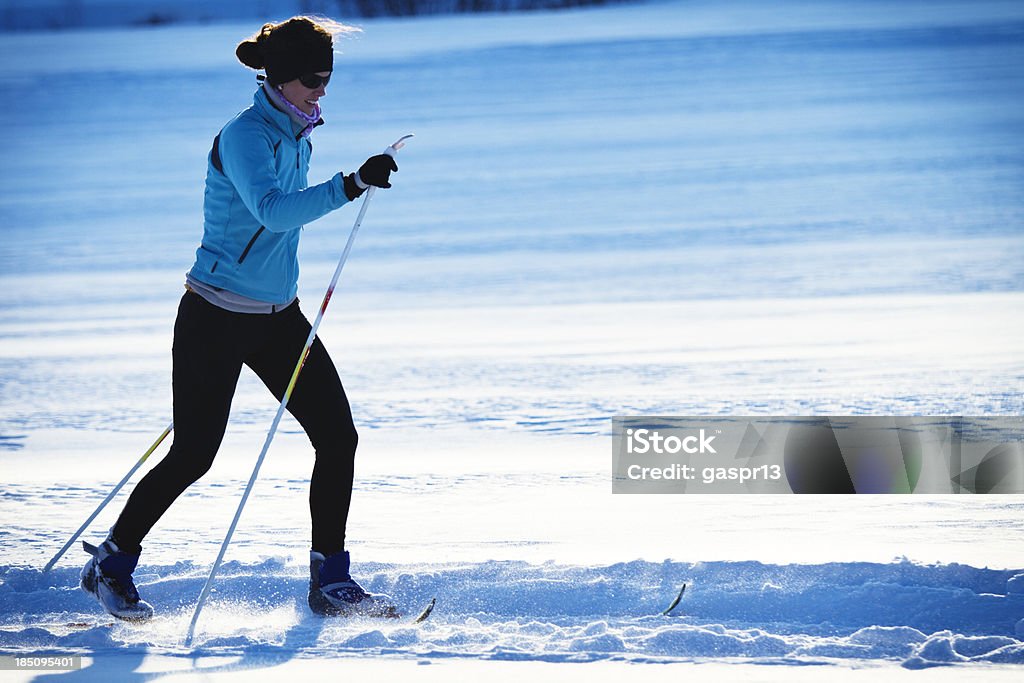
<point x="251" y="52"/>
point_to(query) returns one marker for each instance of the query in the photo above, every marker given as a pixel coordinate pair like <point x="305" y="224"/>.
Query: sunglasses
<point x="313" y="81"/>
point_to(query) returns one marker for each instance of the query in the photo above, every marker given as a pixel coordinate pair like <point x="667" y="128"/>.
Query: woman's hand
<point x="376" y="171"/>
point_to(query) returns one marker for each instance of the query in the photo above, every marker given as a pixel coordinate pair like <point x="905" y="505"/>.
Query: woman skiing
<point x="240" y="308"/>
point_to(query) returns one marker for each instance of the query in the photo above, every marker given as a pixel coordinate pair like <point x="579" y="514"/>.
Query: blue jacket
<point x="256" y="203"/>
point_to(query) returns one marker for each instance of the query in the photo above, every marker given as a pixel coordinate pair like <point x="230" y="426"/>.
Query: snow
<point x="554" y="612"/>
<point x="670" y="208"/>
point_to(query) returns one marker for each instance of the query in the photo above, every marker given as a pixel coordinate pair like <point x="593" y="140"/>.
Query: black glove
<point x="377" y="170"/>
<point x="352" y="191"/>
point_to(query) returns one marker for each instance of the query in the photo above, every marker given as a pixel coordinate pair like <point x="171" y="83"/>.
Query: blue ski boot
<point x="333" y="593"/>
<point x="107" y="576"/>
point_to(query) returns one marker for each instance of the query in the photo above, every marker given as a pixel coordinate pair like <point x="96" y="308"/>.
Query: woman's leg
<point x="207" y="354"/>
<point x="321" y="407"/>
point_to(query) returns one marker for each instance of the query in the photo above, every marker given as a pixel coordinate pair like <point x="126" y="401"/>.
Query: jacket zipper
<point x="245" y="252"/>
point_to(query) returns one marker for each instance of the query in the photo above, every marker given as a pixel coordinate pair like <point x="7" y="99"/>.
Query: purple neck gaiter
<point x="299" y="116"/>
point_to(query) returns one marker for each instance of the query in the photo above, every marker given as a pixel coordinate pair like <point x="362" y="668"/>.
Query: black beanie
<point x="289" y="50"/>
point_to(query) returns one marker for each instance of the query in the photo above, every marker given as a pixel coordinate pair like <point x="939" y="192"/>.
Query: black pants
<point x="210" y="347"/>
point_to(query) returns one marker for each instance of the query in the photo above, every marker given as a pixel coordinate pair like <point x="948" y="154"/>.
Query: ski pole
<point x="391" y="151"/>
<point x="110" y="497"/>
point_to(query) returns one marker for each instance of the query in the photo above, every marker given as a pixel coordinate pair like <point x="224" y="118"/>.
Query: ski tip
<point x="426" y="611"/>
<point x="88" y="624"/>
<point x="675" y="603"/>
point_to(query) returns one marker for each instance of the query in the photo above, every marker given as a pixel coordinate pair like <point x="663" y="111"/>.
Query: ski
<point x="675" y="603"/>
<point x="87" y="624"/>
<point x="426" y="612"/>
<point x="83" y="624"/>
<point x="60" y="625"/>
<point x="393" y="614"/>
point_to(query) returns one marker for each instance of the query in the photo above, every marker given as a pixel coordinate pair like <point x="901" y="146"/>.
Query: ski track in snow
<point x="797" y="614"/>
